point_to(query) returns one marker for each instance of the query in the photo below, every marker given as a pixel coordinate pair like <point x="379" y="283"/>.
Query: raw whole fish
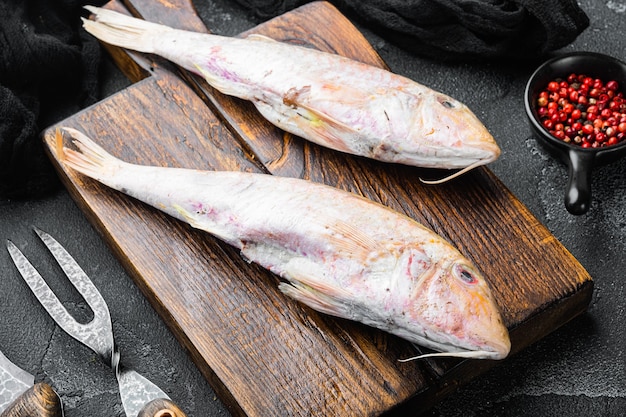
<point x="337" y="252"/>
<point x="326" y="98"/>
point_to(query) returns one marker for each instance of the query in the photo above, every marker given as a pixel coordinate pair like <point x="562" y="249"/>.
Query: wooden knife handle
<point x="38" y="401"/>
<point x="161" y="408"/>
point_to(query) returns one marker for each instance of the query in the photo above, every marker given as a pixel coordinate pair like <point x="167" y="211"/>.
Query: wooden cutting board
<point x="265" y="354"/>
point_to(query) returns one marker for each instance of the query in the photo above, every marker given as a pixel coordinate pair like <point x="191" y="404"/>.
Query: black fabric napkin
<point x="459" y="29"/>
<point x="48" y="71"/>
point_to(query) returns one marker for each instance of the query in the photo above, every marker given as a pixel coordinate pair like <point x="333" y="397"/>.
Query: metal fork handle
<point x="96" y="334"/>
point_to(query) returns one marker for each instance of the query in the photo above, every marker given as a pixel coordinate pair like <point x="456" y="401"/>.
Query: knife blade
<point x="21" y="397"/>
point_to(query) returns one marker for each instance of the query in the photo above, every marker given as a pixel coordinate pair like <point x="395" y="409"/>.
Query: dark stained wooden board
<point x="265" y="354"/>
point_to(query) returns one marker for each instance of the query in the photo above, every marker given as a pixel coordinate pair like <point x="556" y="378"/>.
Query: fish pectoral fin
<point x="307" y="286"/>
<point x="305" y="123"/>
<point x="324" y="131"/>
<point x="316" y="123"/>
<point x="349" y="239"/>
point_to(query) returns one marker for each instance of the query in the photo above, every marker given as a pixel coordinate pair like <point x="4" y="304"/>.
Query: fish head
<point x="450" y="308"/>
<point x="449" y="135"/>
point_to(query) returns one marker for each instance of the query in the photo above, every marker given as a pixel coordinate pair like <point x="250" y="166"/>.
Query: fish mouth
<point x="447" y="350"/>
<point x="460" y="130"/>
<point x="476" y="164"/>
<point x="492" y="149"/>
<point x="496" y="349"/>
<point x="482" y="151"/>
<point x="466" y="164"/>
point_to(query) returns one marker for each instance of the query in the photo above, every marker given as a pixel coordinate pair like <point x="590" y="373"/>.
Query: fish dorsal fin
<point x="260" y="38"/>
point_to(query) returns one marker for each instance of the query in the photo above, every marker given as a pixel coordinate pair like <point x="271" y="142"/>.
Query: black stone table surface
<point x="578" y="370"/>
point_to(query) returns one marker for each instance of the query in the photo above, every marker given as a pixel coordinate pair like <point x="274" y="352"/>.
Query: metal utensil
<point x="140" y="397"/>
<point x="20" y="396"/>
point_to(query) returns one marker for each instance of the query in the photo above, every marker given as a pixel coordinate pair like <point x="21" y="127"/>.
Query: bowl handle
<point x="578" y="192"/>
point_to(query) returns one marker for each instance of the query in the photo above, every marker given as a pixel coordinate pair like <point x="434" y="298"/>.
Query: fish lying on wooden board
<point x="338" y="253"/>
<point x="328" y="99"/>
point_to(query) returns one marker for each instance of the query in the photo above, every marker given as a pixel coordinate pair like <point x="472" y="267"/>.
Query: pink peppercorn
<point x="584" y="111"/>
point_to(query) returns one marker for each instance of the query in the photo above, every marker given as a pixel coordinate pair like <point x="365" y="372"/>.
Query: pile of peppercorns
<point x="583" y="111"/>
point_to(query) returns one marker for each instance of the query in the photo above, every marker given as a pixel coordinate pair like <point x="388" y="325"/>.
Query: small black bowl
<point x="579" y="160"/>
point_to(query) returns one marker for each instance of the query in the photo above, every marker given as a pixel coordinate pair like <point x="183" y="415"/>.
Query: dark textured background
<point x="578" y="370"/>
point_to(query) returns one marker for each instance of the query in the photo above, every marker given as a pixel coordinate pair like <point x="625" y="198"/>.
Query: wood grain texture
<point x="263" y="353"/>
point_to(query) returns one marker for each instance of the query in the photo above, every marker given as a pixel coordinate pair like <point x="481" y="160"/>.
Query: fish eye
<point x="446" y="102"/>
<point x="465" y="275"/>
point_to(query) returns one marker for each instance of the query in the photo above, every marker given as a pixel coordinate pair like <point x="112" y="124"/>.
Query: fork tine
<point x="41" y="289"/>
<point x="96" y="334"/>
<point x="79" y="279"/>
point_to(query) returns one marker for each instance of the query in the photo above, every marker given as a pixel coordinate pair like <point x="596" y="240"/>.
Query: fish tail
<point x="122" y="30"/>
<point x="90" y="159"/>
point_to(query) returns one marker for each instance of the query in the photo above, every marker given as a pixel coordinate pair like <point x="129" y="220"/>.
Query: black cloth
<point x="459" y="29"/>
<point x="48" y="71"/>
